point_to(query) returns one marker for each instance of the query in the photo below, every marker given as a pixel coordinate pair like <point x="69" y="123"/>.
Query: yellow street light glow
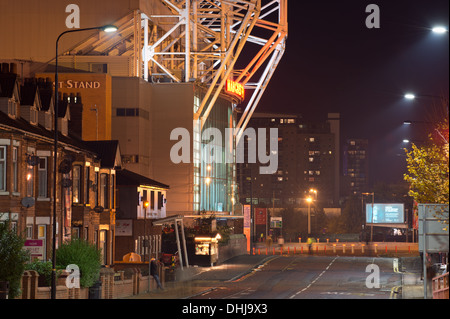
<point x="309" y="199"/>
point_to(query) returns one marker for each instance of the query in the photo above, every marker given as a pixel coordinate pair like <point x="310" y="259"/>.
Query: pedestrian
<point x="154" y="272"/>
<point x="309" y="241"/>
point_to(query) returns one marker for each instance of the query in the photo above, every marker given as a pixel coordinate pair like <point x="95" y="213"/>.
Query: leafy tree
<point x="428" y="174"/>
<point x="427" y="165"/>
<point x="12" y="258"/>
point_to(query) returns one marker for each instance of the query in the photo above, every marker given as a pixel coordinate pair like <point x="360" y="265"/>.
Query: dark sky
<point x="334" y="63"/>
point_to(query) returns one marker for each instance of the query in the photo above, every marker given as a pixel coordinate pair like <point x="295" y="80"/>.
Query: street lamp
<point x="106" y="28"/>
<point x="371" y="225"/>
<point x="410" y="96"/>
<point x="439" y="30"/>
<point x="309" y="201"/>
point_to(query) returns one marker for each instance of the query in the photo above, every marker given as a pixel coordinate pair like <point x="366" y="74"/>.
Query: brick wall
<point x="114" y="286"/>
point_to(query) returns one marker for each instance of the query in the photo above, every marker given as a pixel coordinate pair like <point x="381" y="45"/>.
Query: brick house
<point x="85" y="194"/>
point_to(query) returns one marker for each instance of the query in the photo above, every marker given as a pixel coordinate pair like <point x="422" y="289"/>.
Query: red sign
<point x="235" y="88"/>
<point x="260" y="216"/>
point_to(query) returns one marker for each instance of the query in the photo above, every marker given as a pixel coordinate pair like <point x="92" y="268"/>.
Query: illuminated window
<point x="76" y="184"/>
<point x="30" y="181"/>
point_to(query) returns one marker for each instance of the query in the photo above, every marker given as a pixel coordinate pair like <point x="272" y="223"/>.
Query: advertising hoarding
<point x="385" y="214"/>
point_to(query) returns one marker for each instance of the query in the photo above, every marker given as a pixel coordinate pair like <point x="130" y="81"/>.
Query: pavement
<point x="412" y="285"/>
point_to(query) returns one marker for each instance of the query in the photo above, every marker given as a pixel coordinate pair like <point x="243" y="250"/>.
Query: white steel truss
<point x="201" y="41"/>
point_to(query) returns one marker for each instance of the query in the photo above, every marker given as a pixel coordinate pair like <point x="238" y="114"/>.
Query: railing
<point x="440" y="287"/>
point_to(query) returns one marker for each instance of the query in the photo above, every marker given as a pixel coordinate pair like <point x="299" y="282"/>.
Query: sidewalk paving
<point x="412" y="284"/>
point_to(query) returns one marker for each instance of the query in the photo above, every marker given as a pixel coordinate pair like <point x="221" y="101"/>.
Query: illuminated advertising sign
<point x="385" y="214"/>
<point x="235" y="88"/>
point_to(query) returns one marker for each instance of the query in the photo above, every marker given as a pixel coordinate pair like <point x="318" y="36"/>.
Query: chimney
<point x="76" y="115"/>
<point x="5" y="68"/>
<point x="13" y="68"/>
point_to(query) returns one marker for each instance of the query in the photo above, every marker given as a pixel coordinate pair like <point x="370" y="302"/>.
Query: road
<point x="311" y="277"/>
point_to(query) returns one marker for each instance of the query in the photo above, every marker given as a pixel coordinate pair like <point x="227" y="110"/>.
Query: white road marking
<point x="307" y="287"/>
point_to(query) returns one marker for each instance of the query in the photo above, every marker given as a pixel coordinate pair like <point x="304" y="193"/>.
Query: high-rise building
<point x="356" y="166"/>
<point x="307" y="160"/>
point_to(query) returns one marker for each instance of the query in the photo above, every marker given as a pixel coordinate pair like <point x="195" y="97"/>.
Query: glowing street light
<point x="410" y="96"/>
<point x="439" y="30"/>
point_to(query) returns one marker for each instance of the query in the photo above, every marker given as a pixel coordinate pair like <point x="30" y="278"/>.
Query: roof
<point x="28" y="93"/>
<point x="38" y="130"/>
<point x="108" y="152"/>
<point x="8" y="82"/>
<point x="128" y="178"/>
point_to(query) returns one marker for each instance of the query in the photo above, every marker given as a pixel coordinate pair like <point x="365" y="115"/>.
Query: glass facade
<point x="214" y="159"/>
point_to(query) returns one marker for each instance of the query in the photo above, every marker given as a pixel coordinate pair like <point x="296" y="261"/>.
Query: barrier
<point x="440" y="287"/>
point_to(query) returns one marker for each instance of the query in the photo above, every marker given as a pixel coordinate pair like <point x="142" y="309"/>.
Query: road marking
<point x="312" y="282"/>
<point x="394" y="292"/>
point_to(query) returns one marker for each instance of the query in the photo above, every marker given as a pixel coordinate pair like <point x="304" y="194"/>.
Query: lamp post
<point x="371" y="224"/>
<point x="106" y="28"/>
<point x="309" y="200"/>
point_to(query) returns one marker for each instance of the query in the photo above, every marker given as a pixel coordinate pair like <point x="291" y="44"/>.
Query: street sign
<point x="433" y="228"/>
<point x="276" y="222"/>
<point x="35" y="247"/>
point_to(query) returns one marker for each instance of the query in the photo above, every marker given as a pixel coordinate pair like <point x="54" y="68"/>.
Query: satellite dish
<point x="28" y="202"/>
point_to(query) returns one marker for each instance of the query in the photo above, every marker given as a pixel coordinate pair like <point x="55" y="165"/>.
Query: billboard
<point x="385" y="214"/>
<point x="260" y="216"/>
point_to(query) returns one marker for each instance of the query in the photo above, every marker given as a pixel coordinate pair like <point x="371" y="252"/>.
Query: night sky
<point x="334" y="63"/>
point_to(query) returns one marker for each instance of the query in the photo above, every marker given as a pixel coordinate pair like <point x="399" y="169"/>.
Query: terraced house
<point x="85" y="171"/>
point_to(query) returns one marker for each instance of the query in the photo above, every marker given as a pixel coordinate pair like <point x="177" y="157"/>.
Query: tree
<point x="427" y="165"/>
<point x="428" y="173"/>
<point x="12" y="258"/>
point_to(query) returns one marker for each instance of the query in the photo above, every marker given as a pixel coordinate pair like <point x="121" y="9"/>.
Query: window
<point x="86" y="185"/>
<point x="160" y="200"/>
<point x="76" y="183"/>
<point x="113" y="202"/>
<point x="120" y="112"/>
<point x="12" y="108"/>
<point x="30" y="181"/>
<point x="96" y="189"/>
<point x="42" y="175"/>
<point x="15" y="170"/>
<point x="104" y="190"/>
<point x="152" y="200"/>
<point x="2" y="168"/>
<point x="29" y="232"/>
